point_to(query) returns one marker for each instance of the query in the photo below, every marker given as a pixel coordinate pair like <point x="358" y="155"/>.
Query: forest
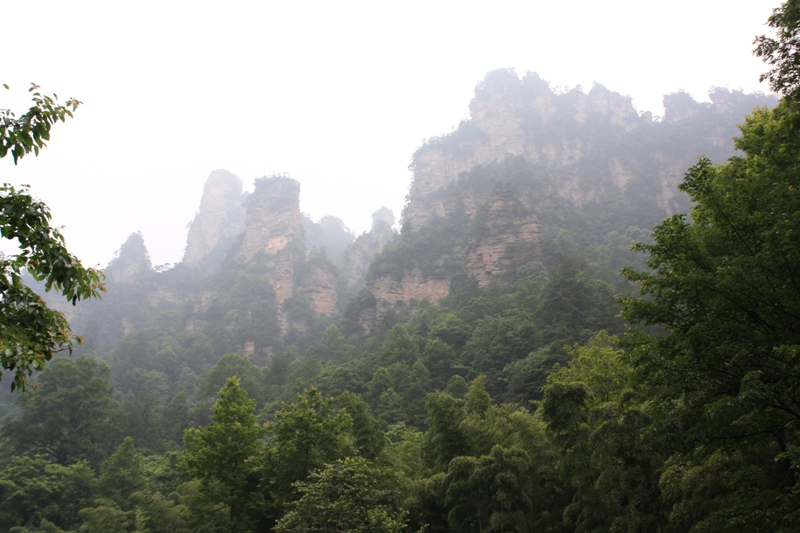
<point x="543" y="346"/>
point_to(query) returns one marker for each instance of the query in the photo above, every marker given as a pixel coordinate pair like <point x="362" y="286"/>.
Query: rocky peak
<point x="273" y="240"/>
<point x="217" y="223"/>
<point x="680" y="107"/>
<point x="567" y="133"/>
<point x="384" y="214"/>
<point x="272" y="220"/>
<point x="619" y="109"/>
<point x="726" y="101"/>
<point x="498" y="97"/>
<point x="359" y="255"/>
<point x="132" y="261"/>
<point x="329" y="234"/>
<point x="541" y="102"/>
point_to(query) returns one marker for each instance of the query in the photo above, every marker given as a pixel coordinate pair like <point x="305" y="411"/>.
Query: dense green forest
<point x="613" y="377"/>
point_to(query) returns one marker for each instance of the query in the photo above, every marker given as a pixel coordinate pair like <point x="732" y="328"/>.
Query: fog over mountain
<point x="424" y="267"/>
<point x="337" y="96"/>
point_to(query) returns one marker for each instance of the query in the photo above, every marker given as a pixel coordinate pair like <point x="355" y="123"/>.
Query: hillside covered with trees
<point x="580" y="326"/>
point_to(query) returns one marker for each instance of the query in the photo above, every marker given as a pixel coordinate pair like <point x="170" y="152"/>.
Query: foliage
<point x="608" y="459"/>
<point x="29" y="132"/>
<point x="72" y="417"/>
<point x="33" y="489"/>
<point x="122" y="473"/>
<point x="348" y="495"/>
<point x="106" y="517"/>
<point x="31" y="332"/>
<point x="306" y="435"/>
<point x="223" y="454"/>
<point x="783" y="52"/>
<point x="724" y="286"/>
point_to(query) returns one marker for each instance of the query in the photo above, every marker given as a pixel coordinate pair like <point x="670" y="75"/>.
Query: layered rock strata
<point x="571" y="131"/>
<point x="273" y="238"/>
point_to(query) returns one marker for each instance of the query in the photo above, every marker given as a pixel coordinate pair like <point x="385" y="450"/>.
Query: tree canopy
<point x="724" y="285"/>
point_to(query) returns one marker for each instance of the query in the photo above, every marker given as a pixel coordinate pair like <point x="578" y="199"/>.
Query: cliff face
<point x="499" y="247"/>
<point x="273" y="238"/>
<point x="329" y="234"/>
<point x="132" y="262"/>
<point x="414" y="286"/>
<point x="485" y="233"/>
<point x="573" y="134"/>
<point x="359" y="255"/>
<point x="530" y="160"/>
<point x="321" y="290"/>
<point x="529" y="165"/>
<point x="218" y="222"/>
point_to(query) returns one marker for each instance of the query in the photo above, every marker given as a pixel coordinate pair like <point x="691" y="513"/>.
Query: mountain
<point x="531" y="175"/>
<point x="492" y="195"/>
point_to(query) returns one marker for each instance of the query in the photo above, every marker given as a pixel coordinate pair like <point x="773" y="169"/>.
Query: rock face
<point x="273" y="238"/>
<point x="485" y="200"/>
<point x="414" y="286"/>
<point x="359" y="255"/>
<point x="568" y="132"/>
<point x="329" y="234"/>
<point x="477" y="197"/>
<point x="218" y="222"/>
<point x="131" y="263"/>
<point x="322" y="293"/>
<point x="490" y="256"/>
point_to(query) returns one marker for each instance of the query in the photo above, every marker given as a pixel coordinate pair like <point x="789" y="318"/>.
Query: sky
<point x="338" y="95"/>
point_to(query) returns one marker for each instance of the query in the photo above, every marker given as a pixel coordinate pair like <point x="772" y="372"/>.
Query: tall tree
<point x="725" y="289"/>
<point x="306" y="435"/>
<point x="72" y="417"/>
<point x="350" y="494"/>
<point x="122" y="474"/>
<point x="223" y="454"/>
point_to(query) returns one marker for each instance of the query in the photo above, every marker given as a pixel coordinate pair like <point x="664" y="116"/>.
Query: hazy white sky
<point x="336" y="94"/>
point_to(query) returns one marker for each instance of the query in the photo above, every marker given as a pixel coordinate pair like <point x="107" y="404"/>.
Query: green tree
<point x="439" y="359"/>
<point x="490" y="493"/>
<point x="783" y="51"/>
<point x="45" y="526"/>
<point x="725" y="288"/>
<point x="106" y="517"/>
<point x="175" y="418"/>
<point x="368" y="437"/>
<point x="306" y="435"/>
<point x="122" y="474"/>
<point x="232" y="365"/>
<point x="33" y="489"/>
<point x="31" y="332"/>
<point x="334" y="346"/>
<point x="159" y="514"/>
<point x="399" y="346"/>
<point x="607" y="456"/>
<point x="348" y="495"/>
<point x="444" y="439"/>
<point x="223" y="455"/>
<point x="73" y="416"/>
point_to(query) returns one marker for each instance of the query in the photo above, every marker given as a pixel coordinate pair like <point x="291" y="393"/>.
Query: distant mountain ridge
<point x="530" y="167"/>
<point x="529" y="156"/>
